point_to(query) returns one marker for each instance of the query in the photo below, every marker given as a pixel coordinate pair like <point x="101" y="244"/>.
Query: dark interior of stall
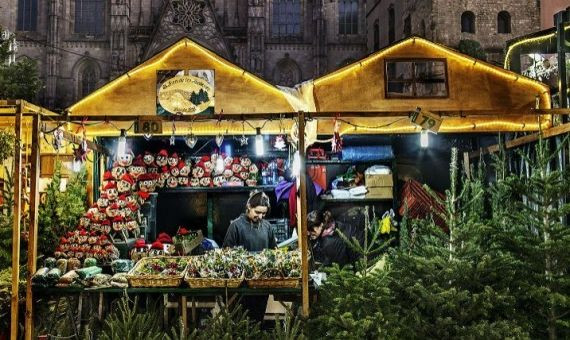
<point x="196" y="208"/>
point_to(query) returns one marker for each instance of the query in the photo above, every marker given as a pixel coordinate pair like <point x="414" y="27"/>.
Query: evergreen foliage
<point x="60" y="211"/>
<point x="19" y="80"/>
<point x="128" y="322"/>
<point x="532" y="229"/>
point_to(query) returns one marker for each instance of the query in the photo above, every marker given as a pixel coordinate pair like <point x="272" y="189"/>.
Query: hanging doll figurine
<point x="125" y="159"/>
<point x="111" y="191"/>
<point x="173" y="160"/>
<point x="336" y="139"/>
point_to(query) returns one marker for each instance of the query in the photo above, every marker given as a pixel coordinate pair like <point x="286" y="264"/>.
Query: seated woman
<point x="328" y="247"/>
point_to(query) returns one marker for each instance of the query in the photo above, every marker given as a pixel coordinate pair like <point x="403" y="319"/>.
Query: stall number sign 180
<point x="426" y="121"/>
<point x="150" y="126"/>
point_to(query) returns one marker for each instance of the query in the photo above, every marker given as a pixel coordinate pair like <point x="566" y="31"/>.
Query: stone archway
<point x="287" y="72"/>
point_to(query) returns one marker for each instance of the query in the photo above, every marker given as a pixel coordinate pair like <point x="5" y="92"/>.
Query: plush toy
<point x="118" y="223"/>
<point x="173" y="160"/>
<point x="147" y="182"/>
<point x="117" y="171"/>
<point x="235" y="181"/>
<point x="198" y="171"/>
<point x="102" y="201"/>
<point x="244" y="175"/>
<point x="184" y="168"/>
<point x="140" y="250"/>
<point x="125" y="159"/>
<point x="85" y="220"/>
<point x="161" y="158"/>
<point x="106" y="226"/>
<point x="245" y="161"/>
<point x="251" y="182"/>
<point x="218" y="181"/>
<point x="132" y="225"/>
<point x="206" y="181"/>
<point x="236" y="166"/>
<point x="148" y="159"/>
<point x="83" y="236"/>
<point x="156" y="249"/>
<point x="228" y="173"/>
<point x="126" y="184"/>
<point x="112" y="210"/>
<point x="111" y="191"/>
<point x="174" y="171"/>
<point x="228" y="161"/>
<point x="137" y="168"/>
<point x="194" y="182"/>
<point x="183" y="181"/>
<point x="253" y="169"/>
<point x="108" y="176"/>
<point x="172" y="182"/>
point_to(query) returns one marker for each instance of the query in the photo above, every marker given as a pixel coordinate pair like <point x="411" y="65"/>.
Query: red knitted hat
<point x="157" y="245"/>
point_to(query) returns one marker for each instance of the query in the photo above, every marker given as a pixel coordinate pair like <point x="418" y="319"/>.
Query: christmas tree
<point x="531" y="227"/>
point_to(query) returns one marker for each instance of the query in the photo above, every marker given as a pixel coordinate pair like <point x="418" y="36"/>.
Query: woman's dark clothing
<point x="251" y="236"/>
<point x="333" y="249"/>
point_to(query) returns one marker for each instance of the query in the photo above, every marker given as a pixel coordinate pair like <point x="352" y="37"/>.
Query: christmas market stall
<point x="174" y="148"/>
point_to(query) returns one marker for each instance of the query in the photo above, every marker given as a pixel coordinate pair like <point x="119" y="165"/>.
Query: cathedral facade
<point x="80" y="45"/>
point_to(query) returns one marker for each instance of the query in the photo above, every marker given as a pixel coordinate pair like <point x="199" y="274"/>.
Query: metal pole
<point x="303" y="216"/>
<point x="559" y="19"/>
<point x="33" y="230"/>
<point x="17" y="178"/>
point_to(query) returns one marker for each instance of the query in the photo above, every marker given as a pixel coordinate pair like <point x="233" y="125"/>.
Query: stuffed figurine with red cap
<point x="194" y="182"/>
<point x="147" y="182"/>
<point x="139" y="250"/>
<point x="111" y="191"/>
<point x="112" y="210"/>
<point x="107" y="176"/>
<point x="218" y="181"/>
<point x="85" y="220"/>
<point x="207" y="165"/>
<point x="199" y="171"/>
<point x="126" y="159"/>
<point x="206" y="181"/>
<point x="117" y="171"/>
<point x="118" y="223"/>
<point x="253" y="169"/>
<point x="174" y="171"/>
<point x="137" y="168"/>
<point x="126" y="184"/>
<point x="106" y="226"/>
<point x="148" y="159"/>
<point x="184" y="168"/>
<point x="236" y="166"/>
<point x="245" y="161"/>
<point x="172" y="182"/>
<point x="164" y="238"/>
<point x="156" y="249"/>
<point x="161" y="158"/>
<point x="183" y="181"/>
<point x="173" y="160"/>
<point x="132" y="225"/>
<point x="102" y="201"/>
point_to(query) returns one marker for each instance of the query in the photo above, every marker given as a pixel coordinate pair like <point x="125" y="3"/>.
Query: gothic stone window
<point x="416" y="78"/>
<point x="504" y="22"/>
<point x="391" y="24"/>
<point x="286" y="19"/>
<point x="87" y="79"/>
<point x="348" y="17"/>
<point x="90" y="17"/>
<point x="468" y="22"/>
<point x="27" y="15"/>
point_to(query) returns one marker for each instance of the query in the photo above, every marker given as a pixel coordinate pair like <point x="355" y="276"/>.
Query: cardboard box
<point x="380" y="192"/>
<point x="372" y="181"/>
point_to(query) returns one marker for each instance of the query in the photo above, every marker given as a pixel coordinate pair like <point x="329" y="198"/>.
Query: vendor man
<point x="250" y="230"/>
<point x="253" y="233"/>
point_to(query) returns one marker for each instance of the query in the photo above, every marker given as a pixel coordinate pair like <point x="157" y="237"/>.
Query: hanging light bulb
<point x="122" y="143"/>
<point x="259" y="147"/>
<point x="424" y="139"/>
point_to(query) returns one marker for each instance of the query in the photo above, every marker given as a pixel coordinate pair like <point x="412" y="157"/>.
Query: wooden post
<point x="303" y="216"/>
<point x="17" y="178"/>
<point x="33" y="230"/>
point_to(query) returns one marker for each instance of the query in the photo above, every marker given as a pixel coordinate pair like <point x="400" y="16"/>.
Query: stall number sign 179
<point x="426" y="121"/>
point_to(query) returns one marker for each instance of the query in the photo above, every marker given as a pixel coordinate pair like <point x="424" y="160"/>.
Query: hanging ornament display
<point x="279" y="143"/>
<point x="57" y="142"/>
<point x="173" y="136"/>
<point x="219" y="140"/>
<point x="147" y="136"/>
<point x="243" y="139"/>
<point x="190" y="139"/>
<point x="336" y="139"/>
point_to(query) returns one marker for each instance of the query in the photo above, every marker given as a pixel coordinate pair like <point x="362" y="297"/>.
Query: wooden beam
<point x="75" y="139"/>
<point x="303" y="216"/>
<point x="33" y="230"/>
<point x="17" y="212"/>
<point x="548" y="133"/>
